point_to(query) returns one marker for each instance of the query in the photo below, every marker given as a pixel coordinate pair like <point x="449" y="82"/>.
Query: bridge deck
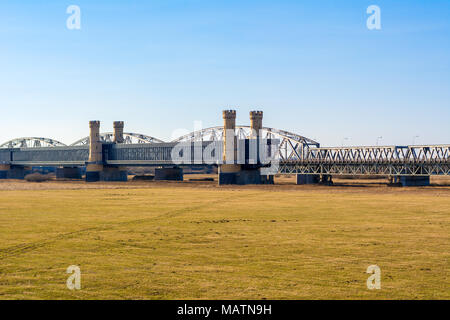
<point x="390" y="160"/>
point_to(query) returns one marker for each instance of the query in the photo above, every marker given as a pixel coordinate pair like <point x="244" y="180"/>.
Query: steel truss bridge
<point x="295" y="154"/>
<point x="391" y="160"/>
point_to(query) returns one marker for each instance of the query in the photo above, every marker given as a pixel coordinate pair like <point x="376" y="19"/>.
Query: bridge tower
<point x="96" y="167"/>
<point x="256" y="126"/>
<point x="230" y="140"/>
<point x="118" y="131"/>
<point x="95" y="164"/>
<point x="231" y="171"/>
<point x="256" y="118"/>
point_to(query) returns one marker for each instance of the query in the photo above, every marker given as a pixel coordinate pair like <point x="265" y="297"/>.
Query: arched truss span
<point x="31" y="142"/>
<point x="291" y="146"/>
<point x="129" y="138"/>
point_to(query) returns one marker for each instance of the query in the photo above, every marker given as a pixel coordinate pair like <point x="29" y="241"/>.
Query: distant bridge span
<point x="129" y="138"/>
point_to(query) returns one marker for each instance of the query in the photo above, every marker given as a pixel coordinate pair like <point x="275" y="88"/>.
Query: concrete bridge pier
<point x="267" y="179"/>
<point x="324" y="179"/>
<point x="308" y="179"/>
<point x="410" y="181"/>
<point x="68" y="173"/>
<point x="113" y="173"/>
<point x="4" y="169"/>
<point x="99" y="172"/>
<point x="13" y="172"/>
<point x="169" y="174"/>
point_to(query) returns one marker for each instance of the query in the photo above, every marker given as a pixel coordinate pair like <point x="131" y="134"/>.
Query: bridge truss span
<point x="129" y="138"/>
<point x="32" y="142"/>
<point x="391" y="160"/>
<point x="291" y="146"/>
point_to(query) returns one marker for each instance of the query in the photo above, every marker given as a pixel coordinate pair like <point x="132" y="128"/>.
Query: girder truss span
<point x="291" y="146"/>
<point x="394" y="160"/>
<point x="389" y="154"/>
<point x="32" y="142"/>
<point x="129" y="138"/>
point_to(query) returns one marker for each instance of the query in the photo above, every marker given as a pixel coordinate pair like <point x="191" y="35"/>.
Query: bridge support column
<point x="267" y="179"/>
<point x="411" y="181"/>
<point x="14" y="172"/>
<point x="68" y="173"/>
<point x="308" y="179"/>
<point x="4" y="169"/>
<point x="93" y="172"/>
<point x="326" y="179"/>
<point x="110" y="173"/>
<point x="98" y="172"/>
<point x="236" y="174"/>
<point x="169" y="174"/>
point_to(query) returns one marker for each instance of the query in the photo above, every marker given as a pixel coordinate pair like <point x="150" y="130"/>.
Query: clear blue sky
<point x="312" y="66"/>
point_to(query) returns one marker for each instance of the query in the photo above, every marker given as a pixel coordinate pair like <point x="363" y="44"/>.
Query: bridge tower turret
<point x="94" y="167"/>
<point x="229" y="169"/>
<point x="229" y="137"/>
<point x="256" y="125"/>
<point x="232" y="172"/>
<point x="118" y="131"/>
<point x="97" y="168"/>
<point x="256" y="118"/>
<point x="95" y="145"/>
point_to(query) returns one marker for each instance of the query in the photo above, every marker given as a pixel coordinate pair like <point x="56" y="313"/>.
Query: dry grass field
<point x="195" y="240"/>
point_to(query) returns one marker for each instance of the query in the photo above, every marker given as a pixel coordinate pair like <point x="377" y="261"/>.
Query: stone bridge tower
<point x="96" y="167"/>
<point x="232" y="172"/>
<point x="256" y="118"/>
<point x="118" y="131"/>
